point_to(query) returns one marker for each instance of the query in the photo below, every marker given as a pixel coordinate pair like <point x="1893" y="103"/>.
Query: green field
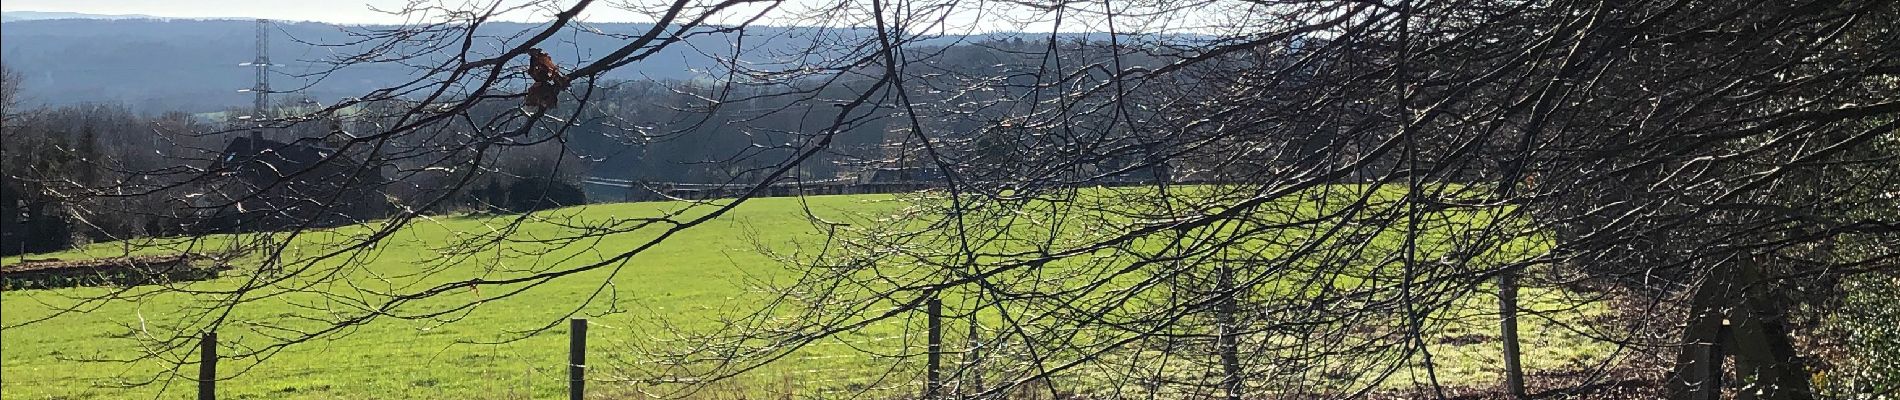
<point x="686" y="281"/>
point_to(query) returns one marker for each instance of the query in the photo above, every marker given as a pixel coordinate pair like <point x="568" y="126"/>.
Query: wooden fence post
<point x="576" y="358"/>
<point x="1227" y="333"/>
<point x="1507" y="333"/>
<point x="972" y="358"/>
<point x="933" y="373"/>
<point x="208" y="367"/>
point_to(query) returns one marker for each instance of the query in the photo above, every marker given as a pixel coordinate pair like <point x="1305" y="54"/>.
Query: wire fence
<point x="875" y="365"/>
<point x="823" y="368"/>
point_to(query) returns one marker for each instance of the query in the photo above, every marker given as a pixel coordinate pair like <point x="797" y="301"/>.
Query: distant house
<point x="261" y="184"/>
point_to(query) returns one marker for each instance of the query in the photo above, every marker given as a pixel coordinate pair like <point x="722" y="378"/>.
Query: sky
<point x="332" y="11"/>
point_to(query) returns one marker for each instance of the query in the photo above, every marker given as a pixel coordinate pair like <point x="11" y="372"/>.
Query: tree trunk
<point x="1734" y="311"/>
<point x="1766" y="362"/>
<point x="1698" y="369"/>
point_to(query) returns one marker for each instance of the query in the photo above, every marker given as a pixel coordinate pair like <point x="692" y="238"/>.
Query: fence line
<point x="576" y="363"/>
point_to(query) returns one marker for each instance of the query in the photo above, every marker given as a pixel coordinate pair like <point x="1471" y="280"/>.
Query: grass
<point x="685" y="281"/>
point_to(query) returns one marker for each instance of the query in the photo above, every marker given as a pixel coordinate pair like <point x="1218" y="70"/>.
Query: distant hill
<point x="10" y="16"/>
<point x="157" y="65"/>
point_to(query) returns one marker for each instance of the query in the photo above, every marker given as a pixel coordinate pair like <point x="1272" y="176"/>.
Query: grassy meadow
<point x="685" y="281"/>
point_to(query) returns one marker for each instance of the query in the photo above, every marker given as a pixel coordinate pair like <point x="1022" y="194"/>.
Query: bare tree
<point x="9" y="90"/>
<point x="1641" y="142"/>
<point x="1224" y="198"/>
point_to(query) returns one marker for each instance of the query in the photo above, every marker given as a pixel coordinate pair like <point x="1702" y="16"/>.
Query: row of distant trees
<point x="100" y="172"/>
<point x="90" y="173"/>
<point x="52" y="154"/>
